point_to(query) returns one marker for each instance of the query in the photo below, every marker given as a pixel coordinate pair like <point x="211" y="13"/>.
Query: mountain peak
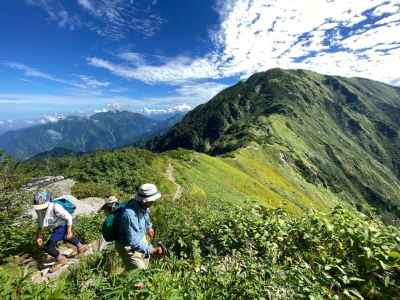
<point x="335" y="131"/>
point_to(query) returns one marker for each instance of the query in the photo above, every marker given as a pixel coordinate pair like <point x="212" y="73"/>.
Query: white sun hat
<point x="41" y="200"/>
<point x="111" y="199"/>
<point x="147" y="193"/>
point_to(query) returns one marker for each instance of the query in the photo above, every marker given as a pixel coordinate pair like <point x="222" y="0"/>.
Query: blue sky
<point x="78" y="56"/>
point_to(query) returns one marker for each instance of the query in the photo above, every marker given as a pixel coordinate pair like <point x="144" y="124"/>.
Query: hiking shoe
<point x="82" y="249"/>
<point x="58" y="265"/>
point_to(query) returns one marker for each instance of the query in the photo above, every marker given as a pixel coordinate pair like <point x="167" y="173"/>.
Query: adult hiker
<point x="111" y="205"/>
<point x="133" y="226"/>
<point x="56" y="217"/>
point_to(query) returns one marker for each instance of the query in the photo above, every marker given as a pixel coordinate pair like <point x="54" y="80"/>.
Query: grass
<point x="226" y="238"/>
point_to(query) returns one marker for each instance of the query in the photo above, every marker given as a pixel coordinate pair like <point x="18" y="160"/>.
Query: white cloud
<point x="86" y="4"/>
<point x="92" y="82"/>
<point x="349" y="38"/>
<point x="113" y="19"/>
<point x="86" y="82"/>
<point x="177" y="108"/>
<point x="176" y="71"/>
<point x="119" y="17"/>
<point x="32" y="72"/>
<point x="52" y="118"/>
<point x="257" y="35"/>
<point x="58" y="13"/>
<point x="204" y="90"/>
<point x="101" y="110"/>
<point x="132" y="57"/>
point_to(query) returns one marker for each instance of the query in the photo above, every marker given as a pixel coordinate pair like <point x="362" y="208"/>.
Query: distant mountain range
<point x="106" y="130"/>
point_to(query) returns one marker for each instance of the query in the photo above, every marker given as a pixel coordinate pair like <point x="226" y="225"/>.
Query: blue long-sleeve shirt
<point x="133" y="226"/>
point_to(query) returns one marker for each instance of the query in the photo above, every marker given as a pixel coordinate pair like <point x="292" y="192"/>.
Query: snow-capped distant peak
<point x="101" y="110"/>
<point x="110" y="107"/>
<point x="178" y="108"/>
<point x="53" y="118"/>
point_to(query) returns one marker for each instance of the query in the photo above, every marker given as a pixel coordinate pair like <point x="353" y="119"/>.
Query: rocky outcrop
<point x="59" y="186"/>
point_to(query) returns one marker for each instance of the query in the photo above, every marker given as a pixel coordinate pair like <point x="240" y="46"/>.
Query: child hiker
<point x="55" y="216"/>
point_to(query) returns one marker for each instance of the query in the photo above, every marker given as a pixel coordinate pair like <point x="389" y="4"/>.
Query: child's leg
<point x="74" y="241"/>
<point x="51" y="246"/>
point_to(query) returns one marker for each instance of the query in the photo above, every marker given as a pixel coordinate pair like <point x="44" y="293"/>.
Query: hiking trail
<point x="39" y="269"/>
<point x="170" y="175"/>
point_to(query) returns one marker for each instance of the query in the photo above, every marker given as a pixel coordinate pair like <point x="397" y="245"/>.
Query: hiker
<point x="55" y="216"/>
<point x="111" y="205"/>
<point x="133" y="226"/>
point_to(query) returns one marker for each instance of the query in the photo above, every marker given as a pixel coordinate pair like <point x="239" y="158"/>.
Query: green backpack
<point x="109" y="229"/>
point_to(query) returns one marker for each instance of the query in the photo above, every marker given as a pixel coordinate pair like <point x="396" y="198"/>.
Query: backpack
<point x="109" y="229"/>
<point x="65" y="203"/>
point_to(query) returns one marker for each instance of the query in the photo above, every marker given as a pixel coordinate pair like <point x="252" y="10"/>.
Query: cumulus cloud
<point x="112" y="19"/>
<point x="349" y="38"/>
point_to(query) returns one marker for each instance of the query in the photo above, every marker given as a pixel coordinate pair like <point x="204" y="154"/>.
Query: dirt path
<point x="170" y="175"/>
<point x="42" y="274"/>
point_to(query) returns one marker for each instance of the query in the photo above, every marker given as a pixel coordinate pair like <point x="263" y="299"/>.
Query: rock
<point x="85" y="206"/>
<point x="39" y="182"/>
<point x="90" y="205"/>
<point x="43" y="275"/>
<point x="61" y="188"/>
<point x="57" y="185"/>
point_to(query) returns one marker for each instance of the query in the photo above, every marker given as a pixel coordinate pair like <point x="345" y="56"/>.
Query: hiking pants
<point x="59" y="234"/>
<point x="132" y="259"/>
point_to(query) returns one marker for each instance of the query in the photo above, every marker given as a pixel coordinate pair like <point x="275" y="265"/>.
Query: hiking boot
<point x="58" y="265"/>
<point x="82" y="249"/>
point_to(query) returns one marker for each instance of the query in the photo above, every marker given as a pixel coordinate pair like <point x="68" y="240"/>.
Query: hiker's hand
<point x="39" y="241"/>
<point x="151" y="232"/>
<point x="70" y="235"/>
<point x="158" y="250"/>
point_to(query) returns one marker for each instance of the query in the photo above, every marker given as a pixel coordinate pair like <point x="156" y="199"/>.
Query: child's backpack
<point x="66" y="203"/>
<point x="109" y="229"/>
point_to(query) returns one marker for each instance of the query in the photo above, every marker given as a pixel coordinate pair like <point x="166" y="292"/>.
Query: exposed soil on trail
<point x="170" y="175"/>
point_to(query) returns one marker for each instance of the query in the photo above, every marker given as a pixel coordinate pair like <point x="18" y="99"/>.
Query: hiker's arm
<point x="39" y="237"/>
<point x="149" y="226"/>
<point x="70" y="235"/>
<point x="39" y="232"/>
<point x="63" y="214"/>
<point x="130" y="223"/>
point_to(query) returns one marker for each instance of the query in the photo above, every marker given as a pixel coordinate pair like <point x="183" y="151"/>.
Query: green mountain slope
<point x="340" y="133"/>
<point x="82" y="134"/>
<point x="225" y="241"/>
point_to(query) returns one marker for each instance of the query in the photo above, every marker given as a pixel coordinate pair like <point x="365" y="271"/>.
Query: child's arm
<point x="62" y="213"/>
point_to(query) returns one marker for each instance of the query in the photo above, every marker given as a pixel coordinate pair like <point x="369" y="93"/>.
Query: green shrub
<point x="88" y="228"/>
